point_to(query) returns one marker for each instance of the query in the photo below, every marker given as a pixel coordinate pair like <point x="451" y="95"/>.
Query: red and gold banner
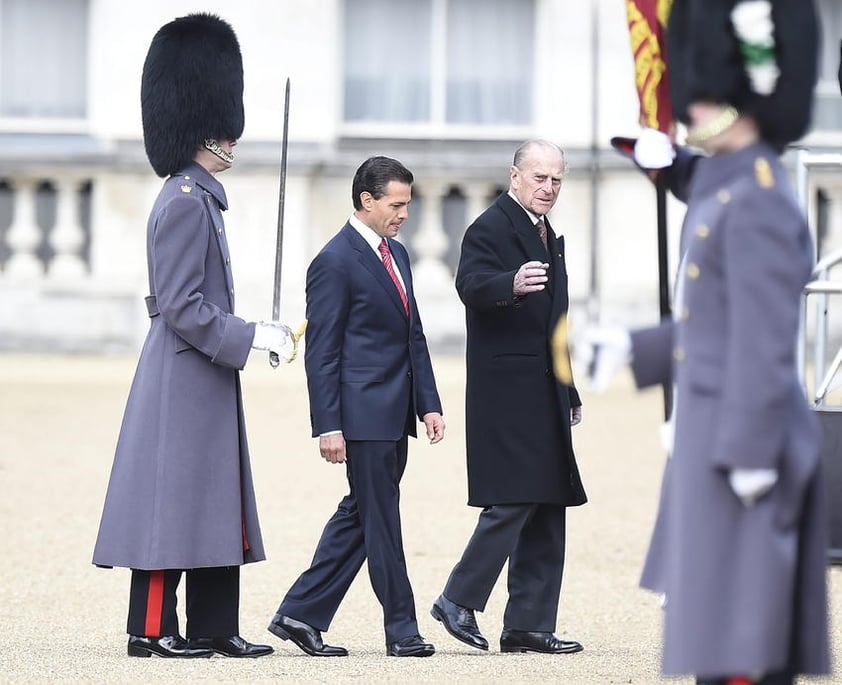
<point x="647" y="22"/>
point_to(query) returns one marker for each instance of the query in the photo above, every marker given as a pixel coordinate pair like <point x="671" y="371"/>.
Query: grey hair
<point x="528" y="145"/>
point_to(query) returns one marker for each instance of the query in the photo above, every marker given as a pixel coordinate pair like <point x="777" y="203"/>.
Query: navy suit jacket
<point x="367" y="363"/>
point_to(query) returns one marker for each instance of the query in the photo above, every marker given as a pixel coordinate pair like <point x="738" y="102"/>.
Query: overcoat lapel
<point x="529" y="240"/>
<point x="557" y="273"/>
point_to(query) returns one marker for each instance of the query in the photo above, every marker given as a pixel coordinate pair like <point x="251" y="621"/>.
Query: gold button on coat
<point x="692" y="271"/>
<point x="702" y="231"/>
<point x="723" y="196"/>
<point x="678" y="354"/>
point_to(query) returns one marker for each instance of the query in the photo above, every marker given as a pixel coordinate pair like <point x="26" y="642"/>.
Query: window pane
<point x="489" y="61"/>
<point x="827" y="108"/>
<point x="43" y="58"/>
<point x="387" y="60"/>
<point x="830" y="23"/>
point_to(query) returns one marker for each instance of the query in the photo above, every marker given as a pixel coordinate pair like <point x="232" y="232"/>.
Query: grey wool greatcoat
<point x="745" y="586"/>
<point x="519" y="447"/>
<point x="181" y="494"/>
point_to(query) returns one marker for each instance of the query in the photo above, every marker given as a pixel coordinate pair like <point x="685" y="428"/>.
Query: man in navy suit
<point x="368" y="375"/>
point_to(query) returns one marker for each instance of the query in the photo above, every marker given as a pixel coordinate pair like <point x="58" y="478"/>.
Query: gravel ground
<point x="63" y="620"/>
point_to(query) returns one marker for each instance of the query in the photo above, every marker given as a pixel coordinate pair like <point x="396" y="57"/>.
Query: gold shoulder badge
<point x="763" y="173"/>
<point x="186" y="188"/>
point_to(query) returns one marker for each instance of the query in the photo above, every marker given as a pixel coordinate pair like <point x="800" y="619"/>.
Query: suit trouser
<point x="366" y="526"/>
<point x="212" y="596"/>
<point x="531" y="537"/>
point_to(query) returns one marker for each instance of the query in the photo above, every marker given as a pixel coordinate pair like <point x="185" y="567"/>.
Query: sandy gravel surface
<point x="62" y="620"/>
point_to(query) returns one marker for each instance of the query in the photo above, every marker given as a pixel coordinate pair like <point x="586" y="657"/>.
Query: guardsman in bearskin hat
<point x="180" y="497"/>
<point x="739" y="544"/>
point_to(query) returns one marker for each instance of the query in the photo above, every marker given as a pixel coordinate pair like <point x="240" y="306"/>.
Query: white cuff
<point x="751" y="484"/>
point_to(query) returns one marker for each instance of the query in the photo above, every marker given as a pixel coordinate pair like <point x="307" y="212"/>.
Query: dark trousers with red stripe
<point x="780" y="678"/>
<point x="212" y="596"/>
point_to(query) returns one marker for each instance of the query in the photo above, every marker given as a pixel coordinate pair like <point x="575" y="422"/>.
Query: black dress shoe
<point x="171" y="646"/>
<point x="231" y="646"/>
<point x="530" y="641"/>
<point x="459" y="621"/>
<point x="307" y="638"/>
<point x="410" y="646"/>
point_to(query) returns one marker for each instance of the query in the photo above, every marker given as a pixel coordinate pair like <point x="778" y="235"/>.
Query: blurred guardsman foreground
<point x="739" y="548"/>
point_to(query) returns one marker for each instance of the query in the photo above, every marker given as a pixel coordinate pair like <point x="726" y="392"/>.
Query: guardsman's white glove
<point x="653" y="149"/>
<point x="273" y="336"/>
<point x="602" y="351"/>
<point x="751" y="484"/>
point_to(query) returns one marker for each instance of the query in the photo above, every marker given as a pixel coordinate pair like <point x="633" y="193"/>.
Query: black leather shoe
<point x="307" y="638"/>
<point x="231" y="646"/>
<point x="410" y="646"/>
<point x="459" y="621"/>
<point x="171" y="646"/>
<point x="529" y="641"/>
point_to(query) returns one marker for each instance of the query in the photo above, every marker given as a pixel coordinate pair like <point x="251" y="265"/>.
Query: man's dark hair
<point x="374" y="175"/>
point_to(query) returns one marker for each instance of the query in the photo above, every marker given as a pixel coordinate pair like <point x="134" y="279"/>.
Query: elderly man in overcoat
<point x="739" y="544"/>
<point x="180" y="497"/>
<point x="522" y="471"/>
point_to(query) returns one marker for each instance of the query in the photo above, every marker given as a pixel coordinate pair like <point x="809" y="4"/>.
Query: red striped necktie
<point x="390" y="269"/>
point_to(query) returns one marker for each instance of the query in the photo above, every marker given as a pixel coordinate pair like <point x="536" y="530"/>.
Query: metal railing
<point x="820" y="287"/>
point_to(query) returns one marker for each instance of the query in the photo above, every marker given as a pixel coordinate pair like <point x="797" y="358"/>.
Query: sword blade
<point x="274" y="360"/>
<point x="279" y="245"/>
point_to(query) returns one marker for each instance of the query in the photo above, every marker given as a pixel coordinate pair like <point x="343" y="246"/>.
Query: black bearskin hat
<point x="191" y="90"/>
<point x="706" y="61"/>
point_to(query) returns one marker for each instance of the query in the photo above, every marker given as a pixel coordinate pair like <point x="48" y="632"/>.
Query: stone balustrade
<point x="73" y="239"/>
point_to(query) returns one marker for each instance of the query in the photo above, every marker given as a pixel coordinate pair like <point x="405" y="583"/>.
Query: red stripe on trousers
<point x="155" y="604"/>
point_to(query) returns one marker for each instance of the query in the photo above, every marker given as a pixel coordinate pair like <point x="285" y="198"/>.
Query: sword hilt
<point x="275" y="360"/>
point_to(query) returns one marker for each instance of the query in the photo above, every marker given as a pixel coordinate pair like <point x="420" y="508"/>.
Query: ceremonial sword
<point x="274" y="360"/>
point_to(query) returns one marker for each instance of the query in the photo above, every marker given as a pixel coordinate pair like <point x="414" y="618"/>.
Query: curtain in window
<point x="387" y="60"/>
<point x="830" y="23"/>
<point x="827" y="106"/>
<point x="489" y="61"/>
<point x="43" y="58"/>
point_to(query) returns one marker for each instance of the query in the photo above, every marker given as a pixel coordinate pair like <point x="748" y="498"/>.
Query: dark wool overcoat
<point x="519" y="446"/>
<point x="745" y="586"/>
<point x="181" y="494"/>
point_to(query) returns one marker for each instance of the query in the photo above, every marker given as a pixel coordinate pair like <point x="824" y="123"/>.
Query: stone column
<point x="477" y="195"/>
<point x="24" y="236"/>
<point x="430" y="273"/>
<point x="441" y="310"/>
<point x="68" y="235"/>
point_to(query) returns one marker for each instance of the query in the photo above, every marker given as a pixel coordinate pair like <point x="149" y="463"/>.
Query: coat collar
<point x="722" y="170"/>
<point x="525" y="230"/>
<point x="207" y="181"/>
